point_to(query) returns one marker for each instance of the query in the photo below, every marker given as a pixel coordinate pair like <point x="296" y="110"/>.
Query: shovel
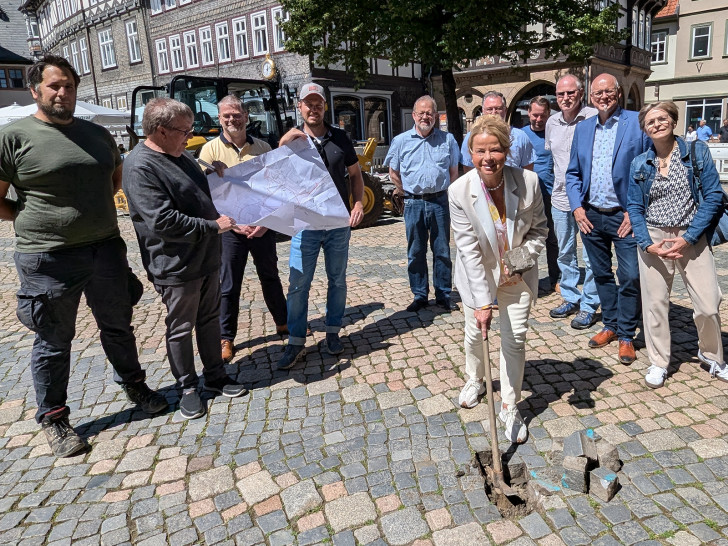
<point x="495" y="473"/>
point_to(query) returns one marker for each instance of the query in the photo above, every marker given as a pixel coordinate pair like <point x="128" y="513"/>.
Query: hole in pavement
<point x="514" y="506"/>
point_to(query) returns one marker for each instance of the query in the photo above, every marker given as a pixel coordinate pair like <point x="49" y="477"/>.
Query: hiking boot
<point x="149" y="401"/>
<point x="291" y="356"/>
<point x="564" y="310"/>
<point x="227" y="386"/>
<point x="583" y="320"/>
<point x="64" y="441"/>
<point x="190" y="406"/>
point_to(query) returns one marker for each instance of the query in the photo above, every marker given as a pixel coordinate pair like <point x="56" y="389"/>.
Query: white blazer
<point x="477" y="262"/>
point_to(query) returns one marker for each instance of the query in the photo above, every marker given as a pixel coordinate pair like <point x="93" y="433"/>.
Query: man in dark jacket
<point x="177" y="227"/>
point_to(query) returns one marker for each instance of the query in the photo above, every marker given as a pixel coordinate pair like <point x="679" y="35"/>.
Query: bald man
<point x="596" y="183"/>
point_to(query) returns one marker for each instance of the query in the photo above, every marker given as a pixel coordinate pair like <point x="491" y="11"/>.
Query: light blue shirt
<point x="601" y="186"/>
<point x="521" y="153"/>
<point x="423" y="163"/>
<point x="704" y="133"/>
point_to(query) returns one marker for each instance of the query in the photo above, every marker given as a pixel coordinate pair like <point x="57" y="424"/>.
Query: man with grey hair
<point x="232" y="147"/>
<point x="177" y="226"/>
<point x="422" y="163"/>
<point x="522" y="154"/>
<point x="66" y="171"/>
<point x="559" y="136"/>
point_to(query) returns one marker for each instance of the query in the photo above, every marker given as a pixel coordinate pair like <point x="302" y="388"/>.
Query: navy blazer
<point x="629" y="143"/>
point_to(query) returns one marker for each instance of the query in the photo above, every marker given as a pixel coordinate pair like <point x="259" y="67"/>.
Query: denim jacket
<point x="642" y="174"/>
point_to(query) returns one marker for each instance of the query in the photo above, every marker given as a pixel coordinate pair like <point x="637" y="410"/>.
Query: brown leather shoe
<point x="603" y="338"/>
<point x="282" y="330"/>
<point x="228" y="350"/>
<point x="626" y="352"/>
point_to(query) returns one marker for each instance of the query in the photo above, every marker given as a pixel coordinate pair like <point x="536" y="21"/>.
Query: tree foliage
<point x="443" y="35"/>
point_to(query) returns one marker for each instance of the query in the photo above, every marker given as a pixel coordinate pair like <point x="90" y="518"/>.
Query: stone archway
<point x="633" y="100"/>
<point x="537" y="88"/>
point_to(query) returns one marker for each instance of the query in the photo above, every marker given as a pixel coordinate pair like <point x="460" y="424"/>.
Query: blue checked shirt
<point x="601" y="187"/>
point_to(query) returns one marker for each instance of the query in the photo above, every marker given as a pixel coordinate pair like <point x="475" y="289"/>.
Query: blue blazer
<point x="629" y="143"/>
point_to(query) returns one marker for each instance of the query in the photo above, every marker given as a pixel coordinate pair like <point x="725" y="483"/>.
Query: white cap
<point x="312" y="89"/>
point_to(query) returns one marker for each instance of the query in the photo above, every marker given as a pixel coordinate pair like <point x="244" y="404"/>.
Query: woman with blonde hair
<point x="493" y="209"/>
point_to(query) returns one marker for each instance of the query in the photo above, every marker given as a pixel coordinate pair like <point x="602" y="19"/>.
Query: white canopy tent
<point x="84" y="110"/>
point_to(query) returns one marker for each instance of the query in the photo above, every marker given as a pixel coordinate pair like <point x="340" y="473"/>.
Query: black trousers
<point x="235" y="250"/>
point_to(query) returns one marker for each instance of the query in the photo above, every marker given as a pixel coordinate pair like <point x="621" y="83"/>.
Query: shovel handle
<point x="497" y="464"/>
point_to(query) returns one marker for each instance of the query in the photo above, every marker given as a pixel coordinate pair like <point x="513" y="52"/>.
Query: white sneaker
<point x="655" y="377"/>
<point x="515" y="429"/>
<point x="719" y="371"/>
<point x="470" y="393"/>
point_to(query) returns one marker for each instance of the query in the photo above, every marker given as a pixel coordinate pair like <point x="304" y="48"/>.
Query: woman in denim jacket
<point x="673" y="225"/>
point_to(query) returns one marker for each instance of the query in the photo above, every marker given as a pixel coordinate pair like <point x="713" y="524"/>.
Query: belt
<point x="425" y="195"/>
<point x="605" y="210"/>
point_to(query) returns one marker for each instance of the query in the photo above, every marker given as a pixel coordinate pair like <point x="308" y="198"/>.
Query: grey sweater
<point x="173" y="215"/>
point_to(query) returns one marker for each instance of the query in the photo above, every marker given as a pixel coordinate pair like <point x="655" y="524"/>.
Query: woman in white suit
<point x="495" y="208"/>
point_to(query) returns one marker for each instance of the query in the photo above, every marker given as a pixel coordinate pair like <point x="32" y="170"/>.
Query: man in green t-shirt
<point x="65" y="172"/>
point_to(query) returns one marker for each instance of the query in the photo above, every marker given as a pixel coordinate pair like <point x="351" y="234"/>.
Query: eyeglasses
<point x="658" y="121"/>
<point x="570" y="93"/>
<point x="494" y="109"/>
<point x="185" y="132"/>
<point x="426" y="114"/>
<point x="604" y="93"/>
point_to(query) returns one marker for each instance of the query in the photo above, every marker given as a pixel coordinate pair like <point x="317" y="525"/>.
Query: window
<point x="83" y="46"/>
<point x="65" y="53"/>
<point x="260" y="33"/>
<point x="74" y="57"/>
<point x="74" y="6"/>
<point x="66" y="9"/>
<point x="121" y="103"/>
<point x="659" y="47"/>
<point x="223" y="41"/>
<point x="635" y="25"/>
<point x="191" y="49"/>
<point x="169" y="4"/>
<point x="708" y="109"/>
<point x="642" y="30"/>
<point x="11" y="78"/>
<point x="175" y="46"/>
<point x="156" y="6"/>
<point x="132" y="40"/>
<point x="206" y="45"/>
<point x="363" y="117"/>
<point x="162" y="60"/>
<point x="106" y="45"/>
<point x="700" y="42"/>
<point x="106" y="103"/>
<point x="240" y="35"/>
<point x="33" y="31"/>
<point x="183" y="2"/>
<point x="279" y="37"/>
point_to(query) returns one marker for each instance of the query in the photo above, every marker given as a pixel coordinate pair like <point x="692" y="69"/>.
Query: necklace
<point x="503" y="178"/>
<point x="664" y="160"/>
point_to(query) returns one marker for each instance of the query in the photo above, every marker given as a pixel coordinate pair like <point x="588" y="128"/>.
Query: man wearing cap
<point x="422" y="163"/>
<point x="232" y="147"/>
<point x="337" y="153"/>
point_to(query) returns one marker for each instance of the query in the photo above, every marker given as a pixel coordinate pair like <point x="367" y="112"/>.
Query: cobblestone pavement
<point x="370" y="448"/>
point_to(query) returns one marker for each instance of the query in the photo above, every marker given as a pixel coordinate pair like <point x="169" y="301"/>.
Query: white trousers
<point x="514" y="305"/>
<point x="697" y="269"/>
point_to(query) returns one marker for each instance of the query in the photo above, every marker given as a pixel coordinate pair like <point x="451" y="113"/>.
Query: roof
<point x="670" y="9"/>
<point x="9" y="57"/>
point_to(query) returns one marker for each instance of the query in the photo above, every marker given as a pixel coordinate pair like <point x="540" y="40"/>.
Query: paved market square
<point x="368" y="448"/>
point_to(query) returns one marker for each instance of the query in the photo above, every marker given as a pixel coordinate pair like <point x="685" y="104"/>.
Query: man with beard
<point x="66" y="171"/>
<point x="232" y="147"/>
<point x="337" y="153"/>
<point x="422" y="163"/>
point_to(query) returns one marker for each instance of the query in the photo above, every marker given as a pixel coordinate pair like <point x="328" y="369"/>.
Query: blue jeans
<point x="428" y="219"/>
<point x="305" y="248"/>
<point x="51" y="284"/>
<point x="566" y="230"/>
<point x="621" y="306"/>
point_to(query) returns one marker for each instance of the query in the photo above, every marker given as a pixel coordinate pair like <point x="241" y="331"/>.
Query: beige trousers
<point x="514" y="305"/>
<point x="697" y="269"/>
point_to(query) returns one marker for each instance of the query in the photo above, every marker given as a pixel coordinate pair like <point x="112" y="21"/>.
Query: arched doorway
<point x="633" y="100"/>
<point x="520" y="104"/>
